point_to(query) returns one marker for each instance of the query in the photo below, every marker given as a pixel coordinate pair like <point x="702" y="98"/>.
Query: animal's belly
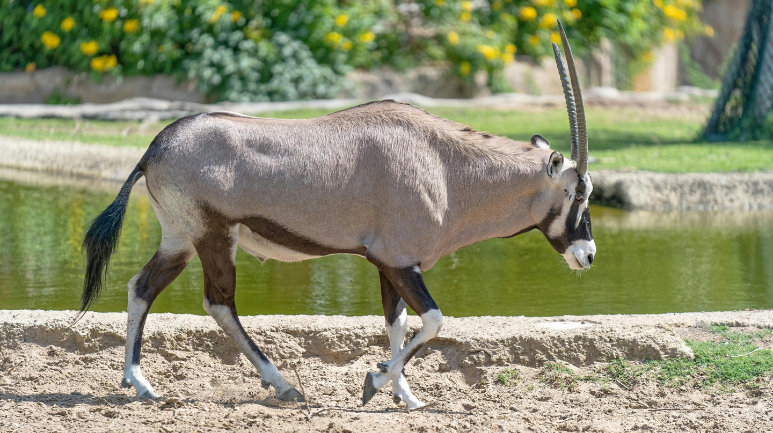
<point x="262" y="248"/>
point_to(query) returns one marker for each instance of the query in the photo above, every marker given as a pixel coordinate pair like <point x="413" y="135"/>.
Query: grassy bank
<point x="725" y="360"/>
<point x="626" y="139"/>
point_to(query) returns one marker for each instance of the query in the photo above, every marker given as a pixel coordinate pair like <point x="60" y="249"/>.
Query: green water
<point x="646" y="263"/>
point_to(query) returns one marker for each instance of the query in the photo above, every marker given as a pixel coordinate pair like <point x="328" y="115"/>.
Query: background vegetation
<point x="257" y="50"/>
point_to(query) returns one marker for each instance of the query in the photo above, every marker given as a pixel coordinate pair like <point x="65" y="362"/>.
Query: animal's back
<point x="332" y="179"/>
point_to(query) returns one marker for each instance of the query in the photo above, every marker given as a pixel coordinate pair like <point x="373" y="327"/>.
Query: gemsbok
<point x="384" y="180"/>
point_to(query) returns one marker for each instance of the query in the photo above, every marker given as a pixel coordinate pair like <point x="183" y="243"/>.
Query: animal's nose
<point x="590" y="259"/>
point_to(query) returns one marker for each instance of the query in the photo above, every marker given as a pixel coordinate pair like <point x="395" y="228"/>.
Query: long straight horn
<point x="569" y="96"/>
<point x="582" y="134"/>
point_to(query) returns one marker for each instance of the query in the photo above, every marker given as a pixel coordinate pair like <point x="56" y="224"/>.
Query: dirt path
<point x="57" y="378"/>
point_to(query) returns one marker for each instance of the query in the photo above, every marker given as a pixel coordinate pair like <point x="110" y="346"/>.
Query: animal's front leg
<point x="410" y="286"/>
<point x="396" y="327"/>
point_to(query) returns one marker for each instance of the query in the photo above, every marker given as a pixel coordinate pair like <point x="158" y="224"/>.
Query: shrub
<point x="254" y="50"/>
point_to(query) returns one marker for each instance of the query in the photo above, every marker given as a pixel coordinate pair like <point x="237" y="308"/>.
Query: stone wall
<point x="37" y="86"/>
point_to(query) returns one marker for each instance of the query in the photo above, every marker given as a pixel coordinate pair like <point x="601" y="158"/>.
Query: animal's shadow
<point x="66" y="401"/>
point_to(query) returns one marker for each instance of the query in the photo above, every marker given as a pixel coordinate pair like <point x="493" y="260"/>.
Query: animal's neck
<point x="493" y="206"/>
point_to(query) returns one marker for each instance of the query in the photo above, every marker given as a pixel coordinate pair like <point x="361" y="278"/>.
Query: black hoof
<point x="125" y="384"/>
<point x="264" y="384"/>
<point x="369" y="390"/>
<point x="396" y="399"/>
<point x="290" y="394"/>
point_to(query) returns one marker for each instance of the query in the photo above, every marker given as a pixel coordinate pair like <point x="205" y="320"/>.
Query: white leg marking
<point x="268" y="371"/>
<point x="400" y="388"/>
<point x="132" y="375"/>
<point x="432" y="321"/>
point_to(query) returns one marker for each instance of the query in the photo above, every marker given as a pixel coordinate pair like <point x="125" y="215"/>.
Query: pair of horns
<point x="574" y="105"/>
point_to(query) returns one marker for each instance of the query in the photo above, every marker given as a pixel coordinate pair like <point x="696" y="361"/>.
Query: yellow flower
<point x="30" y="68"/>
<point x="39" y="11"/>
<point x="508" y="58"/>
<point x="684" y="3"/>
<point x="659" y="3"/>
<point x="130" y="26"/>
<point x="577" y="14"/>
<point x="555" y="37"/>
<point x="510" y="49"/>
<point x="89" y="48"/>
<point x="528" y="13"/>
<point x="341" y="20"/>
<point x="98" y="64"/>
<point x="103" y="63"/>
<point x="534" y="40"/>
<point x="490" y="34"/>
<point x="488" y="52"/>
<point x="453" y="38"/>
<point x="50" y="40"/>
<point x="439" y="2"/>
<point x="109" y="15"/>
<point x="333" y="37"/>
<point x="709" y="31"/>
<point x="570" y="3"/>
<point x="648" y="57"/>
<point x="496" y="6"/>
<point x="542" y="3"/>
<point x="235" y="15"/>
<point x="219" y="11"/>
<point x="548" y="21"/>
<point x="467" y="6"/>
<point x="466" y="17"/>
<point x="347" y="45"/>
<point x="668" y="34"/>
<point x="568" y="16"/>
<point x="464" y="68"/>
<point x="67" y="24"/>
<point x="367" y="37"/>
<point x="675" y="13"/>
<point x="146" y="2"/>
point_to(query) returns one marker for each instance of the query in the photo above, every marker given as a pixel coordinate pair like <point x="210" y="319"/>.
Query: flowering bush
<point x="294" y="49"/>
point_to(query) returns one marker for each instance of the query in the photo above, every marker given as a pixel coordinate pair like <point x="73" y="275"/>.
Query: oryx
<point x="386" y="181"/>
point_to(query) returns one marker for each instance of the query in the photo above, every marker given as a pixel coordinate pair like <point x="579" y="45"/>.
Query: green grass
<point x="508" y="375"/>
<point x="725" y="364"/>
<point x="619" y="138"/>
<point x="558" y="376"/>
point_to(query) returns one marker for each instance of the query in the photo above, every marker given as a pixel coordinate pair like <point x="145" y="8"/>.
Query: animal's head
<point x="563" y="203"/>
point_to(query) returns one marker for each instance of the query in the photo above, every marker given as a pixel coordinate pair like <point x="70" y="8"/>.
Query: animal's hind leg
<point x="410" y="286"/>
<point x="217" y="251"/>
<point x="396" y="326"/>
<point x="171" y="258"/>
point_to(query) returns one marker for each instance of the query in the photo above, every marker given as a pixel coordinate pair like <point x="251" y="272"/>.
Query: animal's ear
<point x="555" y="162"/>
<point x="540" y="142"/>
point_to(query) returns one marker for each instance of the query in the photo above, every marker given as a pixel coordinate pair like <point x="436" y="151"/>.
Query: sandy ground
<point x="54" y="377"/>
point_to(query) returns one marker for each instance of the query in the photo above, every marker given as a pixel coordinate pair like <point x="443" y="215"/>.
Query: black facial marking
<point x="560" y="243"/>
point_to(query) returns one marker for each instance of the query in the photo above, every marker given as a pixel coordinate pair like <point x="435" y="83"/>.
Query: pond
<point x="646" y="263"/>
